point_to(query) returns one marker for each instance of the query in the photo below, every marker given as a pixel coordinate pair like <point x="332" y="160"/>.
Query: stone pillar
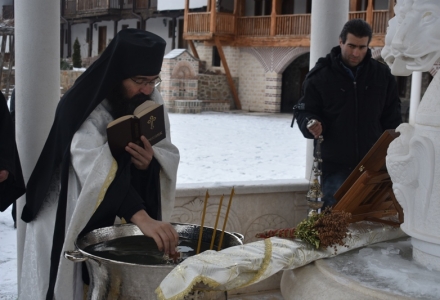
<point x="328" y="18"/>
<point x="272" y="98"/>
<point x="37" y="81"/>
<point x="416" y="87"/>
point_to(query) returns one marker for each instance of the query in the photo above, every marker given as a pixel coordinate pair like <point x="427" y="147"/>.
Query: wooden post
<point x="213" y="17"/>
<point x="353" y="5"/>
<point x="90" y="39"/>
<point x="390" y="9"/>
<point x="228" y="73"/>
<point x="193" y="49"/>
<point x="236" y="13"/>
<point x="11" y="63"/>
<point x="2" y="53"/>
<point x="185" y="17"/>
<point x="369" y="18"/>
<point x="273" y="18"/>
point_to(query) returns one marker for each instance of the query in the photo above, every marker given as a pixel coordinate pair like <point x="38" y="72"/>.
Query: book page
<point x="119" y="120"/>
<point x="145" y="107"/>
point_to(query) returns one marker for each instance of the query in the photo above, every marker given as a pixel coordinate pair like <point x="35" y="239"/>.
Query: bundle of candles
<point x="216" y="222"/>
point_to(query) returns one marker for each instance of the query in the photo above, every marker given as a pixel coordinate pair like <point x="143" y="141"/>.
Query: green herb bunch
<point x="328" y="228"/>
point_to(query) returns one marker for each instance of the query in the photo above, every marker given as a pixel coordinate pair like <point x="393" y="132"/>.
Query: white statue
<point x="413" y="160"/>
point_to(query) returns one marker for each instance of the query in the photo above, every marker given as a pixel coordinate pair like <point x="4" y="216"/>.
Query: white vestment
<point x="92" y="169"/>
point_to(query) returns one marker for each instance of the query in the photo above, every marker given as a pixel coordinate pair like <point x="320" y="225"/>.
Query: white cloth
<point x="91" y="172"/>
<point x="240" y="266"/>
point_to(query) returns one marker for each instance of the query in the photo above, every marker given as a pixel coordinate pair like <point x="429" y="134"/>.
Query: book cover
<point x="148" y="120"/>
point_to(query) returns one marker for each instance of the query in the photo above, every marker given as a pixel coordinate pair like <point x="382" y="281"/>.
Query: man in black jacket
<point x="353" y="99"/>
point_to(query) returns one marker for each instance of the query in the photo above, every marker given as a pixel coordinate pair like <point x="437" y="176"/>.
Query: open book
<point x="147" y="120"/>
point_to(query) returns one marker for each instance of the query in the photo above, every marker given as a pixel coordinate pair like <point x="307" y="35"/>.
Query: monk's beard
<point x="123" y="105"/>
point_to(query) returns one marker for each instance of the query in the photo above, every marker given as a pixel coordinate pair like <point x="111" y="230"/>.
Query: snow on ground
<point x="214" y="147"/>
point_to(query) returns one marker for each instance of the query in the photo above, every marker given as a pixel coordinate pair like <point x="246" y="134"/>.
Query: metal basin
<point x="113" y="279"/>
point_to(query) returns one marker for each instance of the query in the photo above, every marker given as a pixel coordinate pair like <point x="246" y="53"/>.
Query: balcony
<point x="75" y="9"/>
<point x="273" y="30"/>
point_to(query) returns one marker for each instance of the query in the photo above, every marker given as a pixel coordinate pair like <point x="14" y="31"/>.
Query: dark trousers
<point x="331" y="181"/>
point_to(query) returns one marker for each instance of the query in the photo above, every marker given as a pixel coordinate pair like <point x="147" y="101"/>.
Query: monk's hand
<point x="3" y="175"/>
<point x="163" y="233"/>
<point x="140" y="156"/>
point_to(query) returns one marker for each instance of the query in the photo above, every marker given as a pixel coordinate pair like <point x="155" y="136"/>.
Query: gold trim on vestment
<point x="110" y="177"/>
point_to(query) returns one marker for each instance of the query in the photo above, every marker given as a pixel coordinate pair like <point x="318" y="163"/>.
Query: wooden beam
<point x="193" y="49"/>
<point x="369" y="17"/>
<point x="273" y="18"/>
<point x="206" y="36"/>
<point x="185" y="17"/>
<point x="2" y="53"/>
<point x="228" y="73"/>
<point x="390" y="9"/>
<point x="213" y="16"/>
<point x="353" y="5"/>
<point x="91" y="38"/>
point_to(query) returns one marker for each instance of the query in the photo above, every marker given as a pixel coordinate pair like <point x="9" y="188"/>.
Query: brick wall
<point x="252" y="90"/>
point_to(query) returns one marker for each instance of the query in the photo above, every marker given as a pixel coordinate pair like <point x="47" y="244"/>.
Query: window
<point x="215" y="57"/>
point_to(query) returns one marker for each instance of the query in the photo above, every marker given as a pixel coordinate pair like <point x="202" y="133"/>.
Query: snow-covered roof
<point x="176" y="53"/>
<point x="179" y="4"/>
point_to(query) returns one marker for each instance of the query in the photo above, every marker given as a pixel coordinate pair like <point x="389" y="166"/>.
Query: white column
<point x="416" y="88"/>
<point x="37" y="81"/>
<point x="328" y="18"/>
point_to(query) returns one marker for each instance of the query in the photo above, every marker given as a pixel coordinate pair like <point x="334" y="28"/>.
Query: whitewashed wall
<point x="158" y="26"/>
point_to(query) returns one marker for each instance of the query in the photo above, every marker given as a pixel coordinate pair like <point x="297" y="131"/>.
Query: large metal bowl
<point x="113" y="279"/>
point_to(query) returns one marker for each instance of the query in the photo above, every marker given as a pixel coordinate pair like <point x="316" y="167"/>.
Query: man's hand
<point x="315" y="129"/>
<point x="3" y="175"/>
<point x="163" y="233"/>
<point x="140" y="156"/>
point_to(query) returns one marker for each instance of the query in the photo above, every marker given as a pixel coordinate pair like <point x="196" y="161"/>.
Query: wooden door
<point x="293" y="78"/>
<point x="102" y="39"/>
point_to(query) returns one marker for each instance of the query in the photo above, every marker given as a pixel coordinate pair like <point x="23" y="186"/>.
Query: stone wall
<point x="215" y="87"/>
<point x="67" y="79"/>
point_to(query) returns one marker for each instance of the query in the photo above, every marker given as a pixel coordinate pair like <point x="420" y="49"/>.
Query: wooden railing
<point x="259" y="26"/>
<point x="293" y="25"/>
<point x="114" y="4"/>
<point x="380" y="21"/>
<point x="199" y="23"/>
<point x="83" y="5"/>
<point x="253" y="26"/>
<point x="70" y="7"/>
<point x="142" y="4"/>
<point x="357" y="15"/>
<point x="225" y="23"/>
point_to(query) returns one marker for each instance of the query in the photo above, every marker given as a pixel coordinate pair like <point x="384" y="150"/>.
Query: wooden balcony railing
<point x="199" y="23"/>
<point x="91" y="5"/>
<point x="70" y="7"/>
<point x="141" y="4"/>
<point x="380" y="21"/>
<point x="253" y="26"/>
<point x="357" y="15"/>
<point x="84" y="6"/>
<point x="293" y="25"/>
<point x="225" y="23"/>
